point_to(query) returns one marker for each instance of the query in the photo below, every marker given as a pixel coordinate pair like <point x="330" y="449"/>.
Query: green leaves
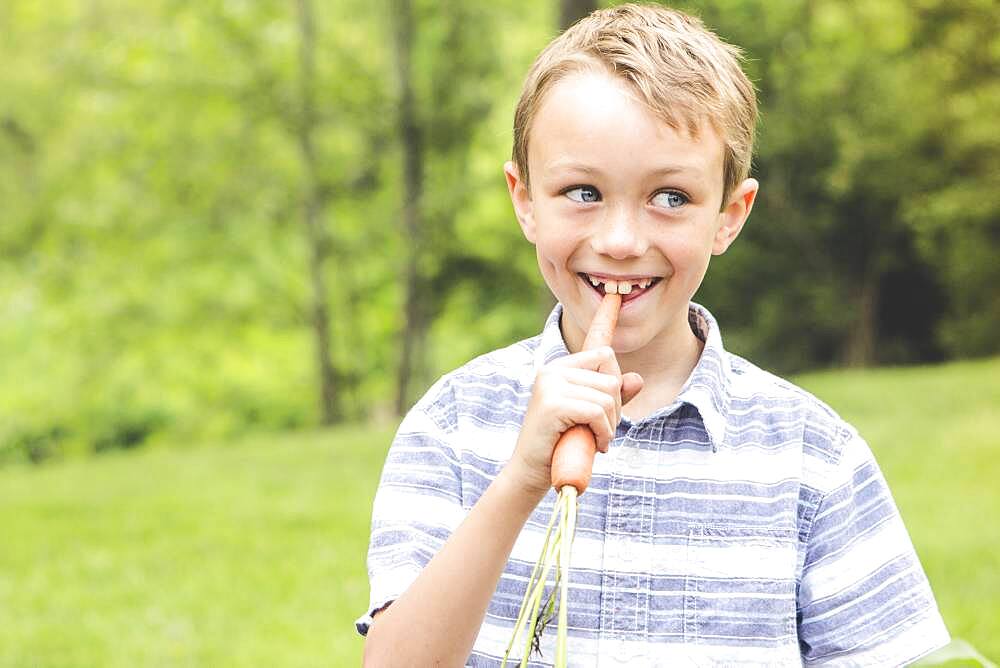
<point x="151" y="187"/>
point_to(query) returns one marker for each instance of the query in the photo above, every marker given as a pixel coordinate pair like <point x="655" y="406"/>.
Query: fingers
<point x="605" y="382"/>
<point x="631" y="385"/>
<point x="596" y="379"/>
<point x="599" y="359"/>
<point x="591" y="416"/>
<point x="610" y="385"/>
<point x="596" y="409"/>
<point x="603" y="362"/>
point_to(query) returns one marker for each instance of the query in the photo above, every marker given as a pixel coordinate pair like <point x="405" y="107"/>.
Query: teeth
<point x="621" y="287"/>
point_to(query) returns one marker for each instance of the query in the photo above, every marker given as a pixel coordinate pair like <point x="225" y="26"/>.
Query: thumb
<point x="631" y="386"/>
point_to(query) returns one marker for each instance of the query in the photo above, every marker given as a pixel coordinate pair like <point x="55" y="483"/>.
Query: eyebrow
<point x="666" y="170"/>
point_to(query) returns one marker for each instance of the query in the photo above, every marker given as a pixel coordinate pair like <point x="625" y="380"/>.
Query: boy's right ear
<point x="520" y="197"/>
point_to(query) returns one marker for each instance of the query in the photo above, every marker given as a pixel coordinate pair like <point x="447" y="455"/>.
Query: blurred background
<point x="238" y="238"/>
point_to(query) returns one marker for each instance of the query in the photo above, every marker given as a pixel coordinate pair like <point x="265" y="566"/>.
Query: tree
<point x="571" y="11"/>
<point x="314" y="203"/>
<point x="437" y="119"/>
<point x="953" y="209"/>
<point x="410" y="135"/>
<point x="833" y="267"/>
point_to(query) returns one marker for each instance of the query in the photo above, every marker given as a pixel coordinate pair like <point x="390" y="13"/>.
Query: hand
<point x="585" y="388"/>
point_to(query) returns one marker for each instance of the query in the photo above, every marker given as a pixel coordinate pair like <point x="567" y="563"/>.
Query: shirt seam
<point x="838" y="464"/>
<point x="811" y="519"/>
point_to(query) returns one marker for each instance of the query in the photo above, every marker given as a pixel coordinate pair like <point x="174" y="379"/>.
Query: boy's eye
<point x="670" y="199"/>
<point x="583" y="194"/>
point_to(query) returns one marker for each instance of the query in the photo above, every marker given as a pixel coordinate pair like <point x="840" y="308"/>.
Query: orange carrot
<point x="573" y="456"/>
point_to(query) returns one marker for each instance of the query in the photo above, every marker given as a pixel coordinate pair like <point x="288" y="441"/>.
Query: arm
<point x="436" y="620"/>
<point x="864" y="598"/>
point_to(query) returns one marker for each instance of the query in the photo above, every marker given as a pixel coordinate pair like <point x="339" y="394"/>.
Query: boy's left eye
<point x="670" y="199"/>
<point x="583" y="194"/>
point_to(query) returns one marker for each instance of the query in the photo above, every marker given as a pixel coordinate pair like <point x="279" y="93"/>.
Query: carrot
<point x="572" y="465"/>
<point x="573" y="456"/>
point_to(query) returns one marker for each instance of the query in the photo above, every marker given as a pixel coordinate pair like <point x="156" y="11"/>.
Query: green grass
<point x="248" y="555"/>
<point x="252" y="554"/>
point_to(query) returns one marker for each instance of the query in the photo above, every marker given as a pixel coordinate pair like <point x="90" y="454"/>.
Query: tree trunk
<point x="571" y="11"/>
<point x="413" y="164"/>
<point x="312" y="210"/>
<point x="862" y="342"/>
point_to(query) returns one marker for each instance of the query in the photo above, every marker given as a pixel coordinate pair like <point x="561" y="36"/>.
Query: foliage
<point x="154" y="269"/>
<point x="956" y="217"/>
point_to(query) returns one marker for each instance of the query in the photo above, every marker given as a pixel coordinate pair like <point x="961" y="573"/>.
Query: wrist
<point x="524" y="482"/>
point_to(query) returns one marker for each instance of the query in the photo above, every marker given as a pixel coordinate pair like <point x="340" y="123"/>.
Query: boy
<point x="732" y="518"/>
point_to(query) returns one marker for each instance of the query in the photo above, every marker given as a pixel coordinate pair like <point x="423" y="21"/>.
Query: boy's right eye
<point x="583" y="194"/>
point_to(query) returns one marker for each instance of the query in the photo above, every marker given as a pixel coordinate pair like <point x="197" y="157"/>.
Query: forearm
<point x="435" y="622"/>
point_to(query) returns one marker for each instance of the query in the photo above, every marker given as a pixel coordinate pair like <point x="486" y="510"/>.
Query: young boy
<point x="732" y="518"/>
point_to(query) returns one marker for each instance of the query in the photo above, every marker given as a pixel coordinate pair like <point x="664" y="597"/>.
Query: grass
<point x="220" y="556"/>
<point x="252" y="554"/>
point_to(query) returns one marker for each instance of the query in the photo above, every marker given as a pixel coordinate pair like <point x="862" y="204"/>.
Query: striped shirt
<point x="745" y="523"/>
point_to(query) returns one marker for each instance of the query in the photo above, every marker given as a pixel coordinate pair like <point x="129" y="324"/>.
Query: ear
<point x="734" y="215"/>
<point x="520" y="197"/>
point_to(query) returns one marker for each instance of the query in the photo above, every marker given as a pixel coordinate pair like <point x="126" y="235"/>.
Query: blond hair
<point x="684" y="72"/>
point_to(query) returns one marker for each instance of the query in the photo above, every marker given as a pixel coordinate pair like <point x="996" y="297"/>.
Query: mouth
<point x="630" y="288"/>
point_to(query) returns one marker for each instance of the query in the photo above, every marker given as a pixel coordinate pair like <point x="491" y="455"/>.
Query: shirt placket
<point x="625" y="582"/>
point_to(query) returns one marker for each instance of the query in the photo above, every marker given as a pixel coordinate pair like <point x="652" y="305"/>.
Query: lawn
<point x="252" y="553"/>
<point x="249" y="554"/>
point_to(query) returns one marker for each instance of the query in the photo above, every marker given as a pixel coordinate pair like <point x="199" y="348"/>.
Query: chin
<point x="628" y="343"/>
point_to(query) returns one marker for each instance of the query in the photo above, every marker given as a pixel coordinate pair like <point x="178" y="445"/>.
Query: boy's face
<point x="616" y="194"/>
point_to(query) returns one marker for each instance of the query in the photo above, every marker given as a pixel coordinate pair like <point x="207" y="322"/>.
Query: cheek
<point x="549" y="265"/>
<point x="691" y="244"/>
<point x="554" y="245"/>
<point x="687" y="259"/>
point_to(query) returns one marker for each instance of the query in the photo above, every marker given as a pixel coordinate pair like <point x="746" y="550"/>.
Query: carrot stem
<point x="539" y="590"/>
<point x="532" y="579"/>
<point x="568" y="496"/>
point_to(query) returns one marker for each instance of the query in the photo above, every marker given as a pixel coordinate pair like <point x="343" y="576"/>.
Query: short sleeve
<point x="417" y="506"/>
<point x="864" y="599"/>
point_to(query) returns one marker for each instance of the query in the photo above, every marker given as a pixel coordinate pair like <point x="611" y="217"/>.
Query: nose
<point x="619" y="235"/>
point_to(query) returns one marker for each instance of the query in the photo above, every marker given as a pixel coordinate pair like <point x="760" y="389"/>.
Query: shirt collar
<point x="706" y="389"/>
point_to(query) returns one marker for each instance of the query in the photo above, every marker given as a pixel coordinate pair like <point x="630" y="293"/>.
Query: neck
<point x="665" y="366"/>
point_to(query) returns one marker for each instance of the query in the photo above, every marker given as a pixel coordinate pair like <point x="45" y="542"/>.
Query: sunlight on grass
<point x="253" y="553"/>
<point x="225" y="556"/>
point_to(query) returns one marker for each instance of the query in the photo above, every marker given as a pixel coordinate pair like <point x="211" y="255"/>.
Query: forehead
<point x="592" y="119"/>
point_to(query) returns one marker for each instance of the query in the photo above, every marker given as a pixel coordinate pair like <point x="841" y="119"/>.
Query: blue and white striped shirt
<point x="745" y="523"/>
